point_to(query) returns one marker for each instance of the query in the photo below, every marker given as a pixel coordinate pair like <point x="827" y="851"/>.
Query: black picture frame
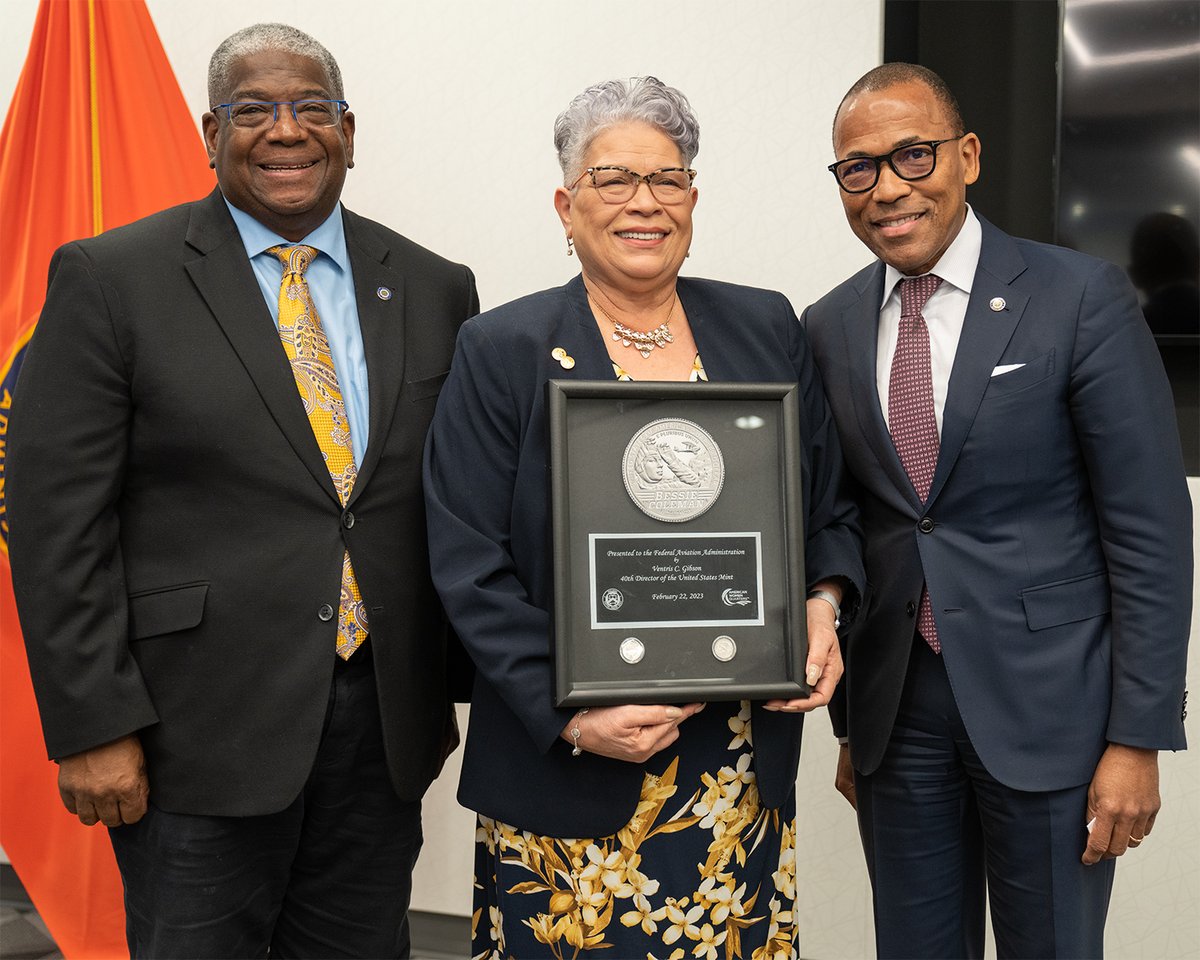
<point x="714" y="603"/>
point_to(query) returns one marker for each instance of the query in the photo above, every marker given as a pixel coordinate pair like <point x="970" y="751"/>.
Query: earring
<point x="570" y="247"/>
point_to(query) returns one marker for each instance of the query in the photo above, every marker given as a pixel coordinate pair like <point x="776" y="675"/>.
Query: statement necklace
<point x="642" y="341"/>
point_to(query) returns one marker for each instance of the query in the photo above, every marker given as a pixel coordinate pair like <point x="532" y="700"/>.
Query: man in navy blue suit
<point x="1010" y="436"/>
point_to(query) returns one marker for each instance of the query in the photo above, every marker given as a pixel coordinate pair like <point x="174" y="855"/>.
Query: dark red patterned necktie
<point x="911" y="419"/>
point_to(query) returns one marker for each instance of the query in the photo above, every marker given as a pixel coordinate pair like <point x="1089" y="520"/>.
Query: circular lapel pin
<point x="558" y="353"/>
<point x="997" y="304"/>
<point x="383" y="293"/>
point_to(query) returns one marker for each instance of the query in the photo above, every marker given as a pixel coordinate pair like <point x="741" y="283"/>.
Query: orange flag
<point x="98" y="134"/>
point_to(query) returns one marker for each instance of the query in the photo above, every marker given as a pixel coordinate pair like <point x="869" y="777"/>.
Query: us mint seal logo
<point x="673" y="470"/>
<point x="613" y="599"/>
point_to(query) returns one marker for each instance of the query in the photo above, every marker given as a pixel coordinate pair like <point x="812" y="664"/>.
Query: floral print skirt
<point x="702" y="869"/>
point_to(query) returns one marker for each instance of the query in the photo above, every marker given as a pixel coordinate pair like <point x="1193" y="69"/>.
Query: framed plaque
<point x="678" y="538"/>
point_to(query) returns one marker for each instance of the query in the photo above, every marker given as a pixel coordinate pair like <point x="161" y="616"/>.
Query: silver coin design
<point x="724" y="648"/>
<point x="632" y="650"/>
<point x="673" y="470"/>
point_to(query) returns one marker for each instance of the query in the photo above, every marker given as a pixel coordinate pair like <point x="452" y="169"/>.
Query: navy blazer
<point x="1056" y="540"/>
<point x="175" y="534"/>
<point x="487" y="496"/>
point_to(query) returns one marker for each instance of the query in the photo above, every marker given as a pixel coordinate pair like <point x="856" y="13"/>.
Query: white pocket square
<point x="1006" y="368"/>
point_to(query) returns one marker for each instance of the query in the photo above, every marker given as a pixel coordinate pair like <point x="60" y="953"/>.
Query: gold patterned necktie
<point x="307" y="348"/>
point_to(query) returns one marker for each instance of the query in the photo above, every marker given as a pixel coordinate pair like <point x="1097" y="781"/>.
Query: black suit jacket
<point x="1056" y="539"/>
<point x="488" y="496"/>
<point x="174" y="532"/>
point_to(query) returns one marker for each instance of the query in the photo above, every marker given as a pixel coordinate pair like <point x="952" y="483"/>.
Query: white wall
<point x="455" y="102"/>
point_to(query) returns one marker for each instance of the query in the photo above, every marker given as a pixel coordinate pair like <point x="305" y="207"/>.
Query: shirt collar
<point x="956" y="266"/>
<point x="329" y="238"/>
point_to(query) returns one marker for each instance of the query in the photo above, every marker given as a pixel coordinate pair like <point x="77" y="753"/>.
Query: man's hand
<point x="106" y="784"/>
<point x="844" y="778"/>
<point x="1123" y="801"/>
<point x="824" y="668"/>
<point x="633" y="732"/>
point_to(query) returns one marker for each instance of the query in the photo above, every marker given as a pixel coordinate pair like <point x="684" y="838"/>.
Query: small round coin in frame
<point x="724" y="648"/>
<point x="632" y="650"/>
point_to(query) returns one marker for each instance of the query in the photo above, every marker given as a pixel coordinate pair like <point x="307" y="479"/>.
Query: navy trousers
<point x="329" y="876"/>
<point x="940" y="833"/>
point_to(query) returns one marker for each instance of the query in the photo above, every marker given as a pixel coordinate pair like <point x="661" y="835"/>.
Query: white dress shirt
<point x="944" y="314"/>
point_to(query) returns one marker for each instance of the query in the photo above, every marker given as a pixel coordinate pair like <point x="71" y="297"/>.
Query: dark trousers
<point x="329" y="876"/>
<point x="939" y="833"/>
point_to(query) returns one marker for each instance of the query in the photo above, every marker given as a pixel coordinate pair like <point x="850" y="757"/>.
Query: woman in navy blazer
<point x="622" y="828"/>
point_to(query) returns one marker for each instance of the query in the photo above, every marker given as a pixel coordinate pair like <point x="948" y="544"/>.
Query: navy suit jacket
<point x="175" y="534"/>
<point x="487" y="495"/>
<point x="1056" y="540"/>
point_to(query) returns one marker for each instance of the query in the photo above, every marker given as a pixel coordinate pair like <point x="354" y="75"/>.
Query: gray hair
<point x="262" y="37"/>
<point x="893" y="74"/>
<point x="637" y="100"/>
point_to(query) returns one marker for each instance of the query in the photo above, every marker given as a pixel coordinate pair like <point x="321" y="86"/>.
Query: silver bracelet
<point x="576" y="732"/>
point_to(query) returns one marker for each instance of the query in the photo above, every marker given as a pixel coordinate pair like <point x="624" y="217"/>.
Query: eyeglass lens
<point x="308" y="113"/>
<point x="910" y="163"/>
<point x="618" y="185"/>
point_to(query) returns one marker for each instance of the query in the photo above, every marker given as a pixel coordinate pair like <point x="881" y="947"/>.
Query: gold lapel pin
<point x="997" y="304"/>
<point x="565" y="361"/>
<point x="383" y="293"/>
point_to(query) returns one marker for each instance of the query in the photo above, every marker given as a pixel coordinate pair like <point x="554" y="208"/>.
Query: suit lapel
<point x="223" y="276"/>
<point x="578" y="334"/>
<point x="985" y="335"/>
<point x="860" y="328"/>
<point x="379" y="292"/>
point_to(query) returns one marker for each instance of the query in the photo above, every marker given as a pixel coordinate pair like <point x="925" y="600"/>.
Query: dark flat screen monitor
<point x="1129" y="166"/>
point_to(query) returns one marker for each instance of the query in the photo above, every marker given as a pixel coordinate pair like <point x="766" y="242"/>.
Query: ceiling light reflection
<point x="1080" y="50"/>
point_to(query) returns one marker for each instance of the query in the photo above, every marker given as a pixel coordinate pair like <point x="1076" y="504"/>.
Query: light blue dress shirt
<point x="331" y="284"/>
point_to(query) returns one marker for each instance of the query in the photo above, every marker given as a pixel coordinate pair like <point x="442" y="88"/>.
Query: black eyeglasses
<point x="252" y="114"/>
<point x="914" y="161"/>
<point x="618" y="184"/>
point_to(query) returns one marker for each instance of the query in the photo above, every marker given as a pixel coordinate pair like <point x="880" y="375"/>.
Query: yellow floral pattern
<point x="702" y="870"/>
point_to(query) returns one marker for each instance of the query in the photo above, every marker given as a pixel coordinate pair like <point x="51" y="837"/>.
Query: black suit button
<point x="926" y="525"/>
<point x="347" y="519"/>
<point x="910" y="608"/>
<point x="326" y="612"/>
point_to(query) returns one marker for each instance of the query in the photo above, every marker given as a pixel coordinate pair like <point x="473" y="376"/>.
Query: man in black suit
<point x="1020" y="659"/>
<point x="239" y="658"/>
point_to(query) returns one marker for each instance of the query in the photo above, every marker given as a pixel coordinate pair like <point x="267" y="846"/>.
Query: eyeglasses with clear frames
<point x="913" y="161"/>
<point x="669" y="185"/>
<point x="252" y="114"/>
